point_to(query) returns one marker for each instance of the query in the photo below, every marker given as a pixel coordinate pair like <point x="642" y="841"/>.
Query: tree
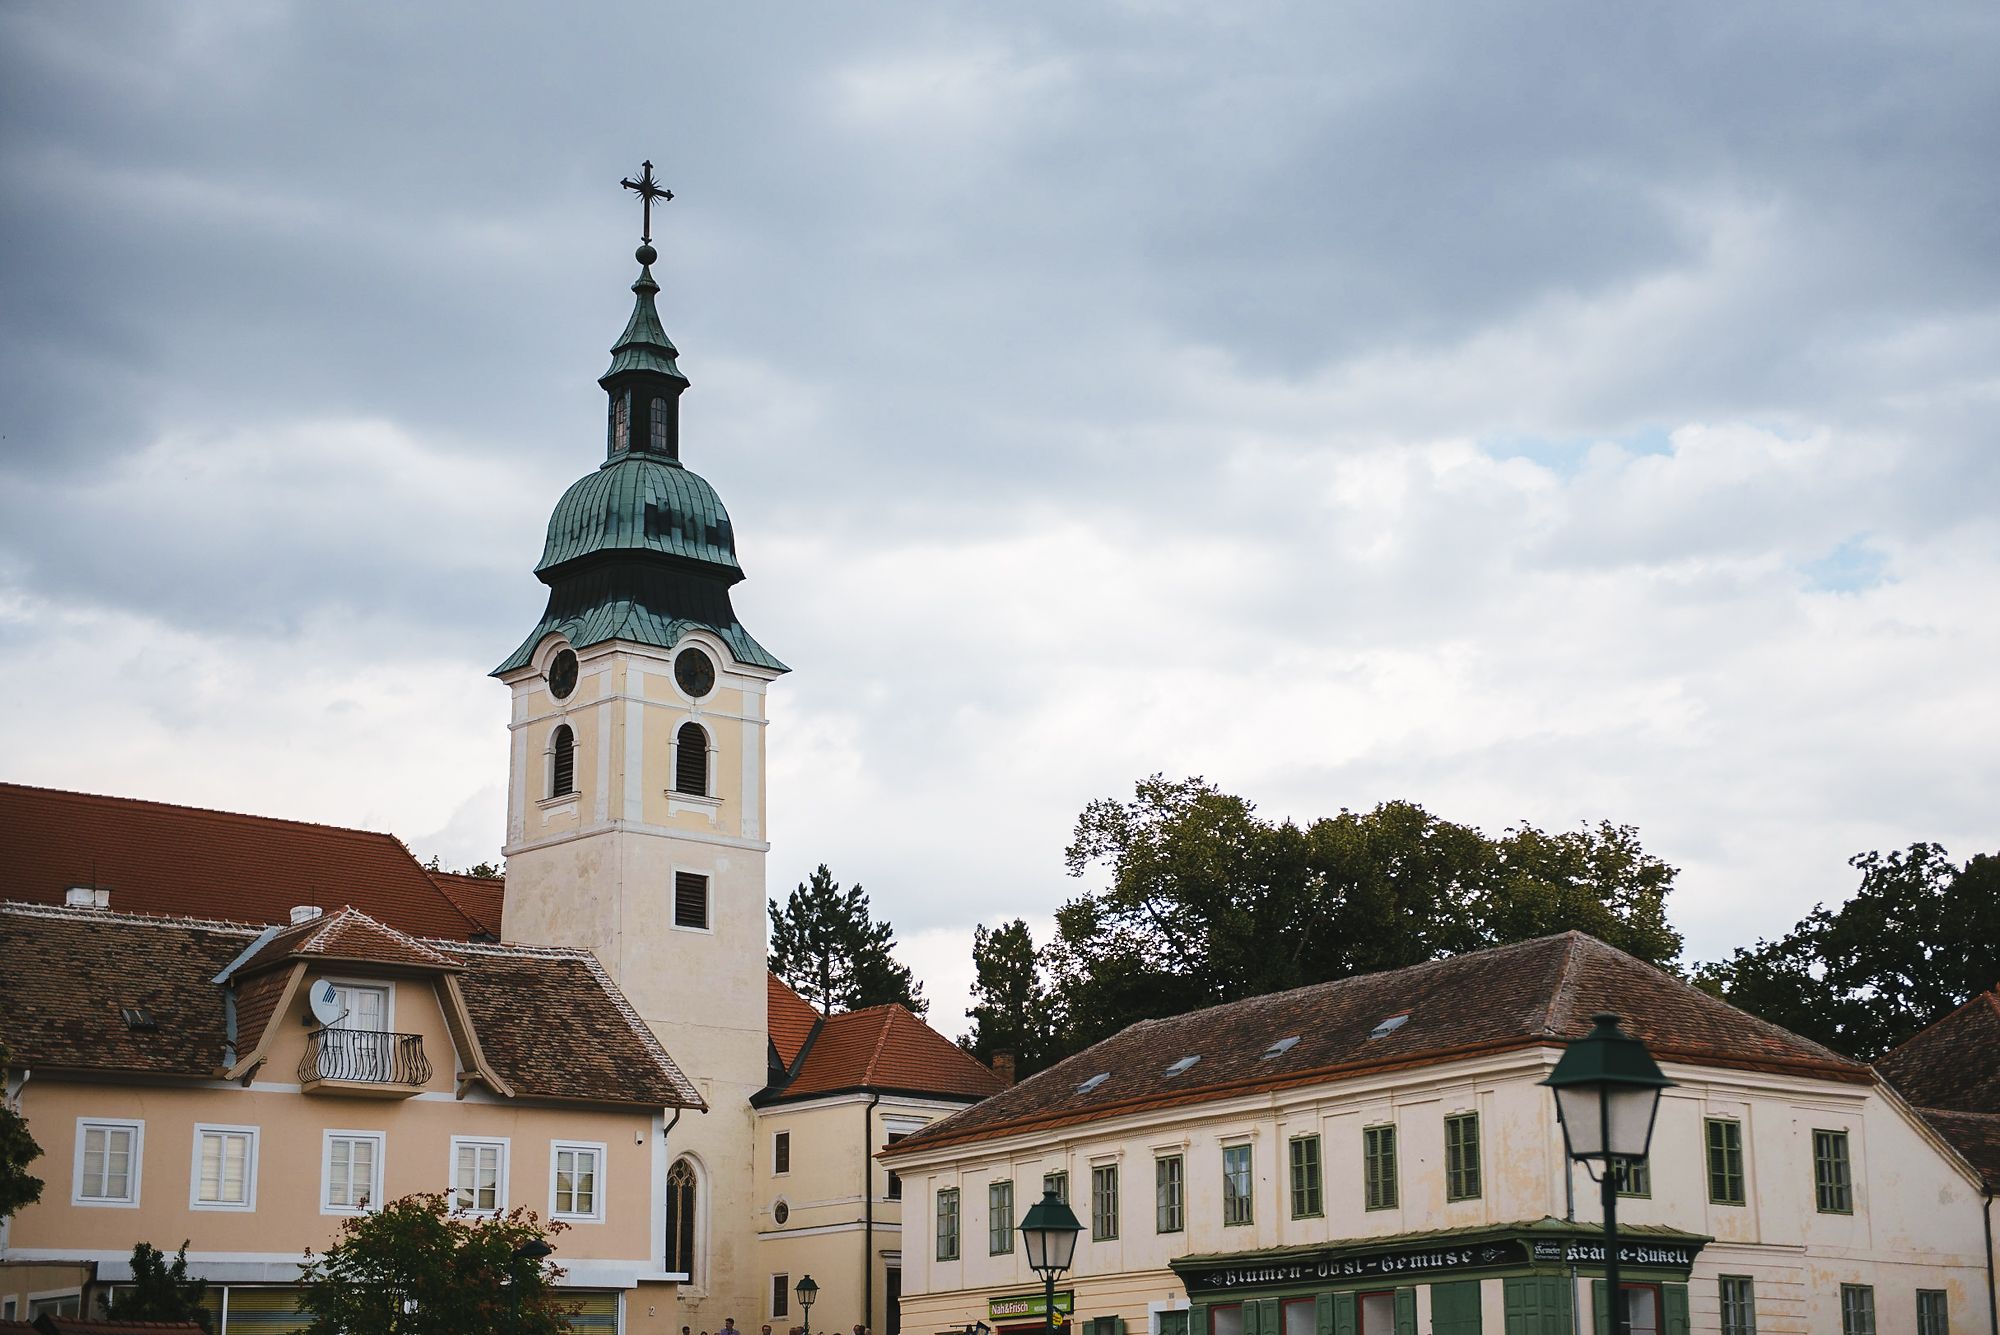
<point x="1013" y="1010"/>
<point x="1916" y="941"/>
<point x="161" y="1290"/>
<point x="1206" y="902"/>
<point x="416" y="1268"/>
<point x="18" y="1187"/>
<point x="832" y="952"/>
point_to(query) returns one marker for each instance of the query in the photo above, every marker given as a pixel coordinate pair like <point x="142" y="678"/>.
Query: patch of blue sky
<point x="1849" y="568"/>
<point x="1565" y="457"/>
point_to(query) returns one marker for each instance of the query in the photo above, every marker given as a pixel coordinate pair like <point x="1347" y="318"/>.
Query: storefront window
<point x="1301" y="1317"/>
<point x="1378" y="1313"/>
<point x="1226" y="1320"/>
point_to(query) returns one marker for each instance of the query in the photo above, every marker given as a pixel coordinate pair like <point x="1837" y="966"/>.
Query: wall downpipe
<point x="666" y="1194"/>
<point x="868" y="1213"/>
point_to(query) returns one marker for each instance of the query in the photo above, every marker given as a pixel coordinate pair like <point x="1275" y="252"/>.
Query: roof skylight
<point x="1281" y="1047"/>
<point x="1183" y="1064"/>
<point x="1390" y="1025"/>
<point x="1093" y="1082"/>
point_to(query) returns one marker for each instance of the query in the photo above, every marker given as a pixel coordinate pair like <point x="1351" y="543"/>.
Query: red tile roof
<point x="792" y="1018"/>
<point x="158" y="858"/>
<point x="887" y="1048"/>
<point x="346" y="934"/>
<point x="1532" y="993"/>
<point x="1954" y="1064"/>
<point x="1974" y="1135"/>
<point x="550" y="1021"/>
<point x="477" y="897"/>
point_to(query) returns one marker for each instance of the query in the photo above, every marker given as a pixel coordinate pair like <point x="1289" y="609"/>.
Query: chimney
<point x="304" y="913"/>
<point x="1003" y="1066"/>
<point x="86" y="897"/>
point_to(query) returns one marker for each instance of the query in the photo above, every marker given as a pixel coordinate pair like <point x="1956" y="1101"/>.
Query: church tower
<point x="635" y="805"/>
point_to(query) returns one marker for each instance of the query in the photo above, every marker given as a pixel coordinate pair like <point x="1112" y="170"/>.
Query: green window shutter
<point x="1343" y="1314"/>
<point x="1197" y="1320"/>
<point x="1406" y="1312"/>
<point x="1600" y="1306"/>
<point x="1674" y="1302"/>
<point x="1455" y="1308"/>
<point x="1251" y="1325"/>
<point x="1268" y="1322"/>
<point x="1557" y="1294"/>
<point x="1324" y="1304"/>
<point x="1173" y="1323"/>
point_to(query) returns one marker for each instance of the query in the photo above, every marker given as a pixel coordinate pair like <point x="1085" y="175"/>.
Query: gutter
<point x="666" y="1199"/>
<point x="868" y="1212"/>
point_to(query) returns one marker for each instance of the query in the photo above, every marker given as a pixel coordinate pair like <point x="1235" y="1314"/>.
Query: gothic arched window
<point x="680" y="1218"/>
<point x="691" y="760"/>
<point x="562" y="761"/>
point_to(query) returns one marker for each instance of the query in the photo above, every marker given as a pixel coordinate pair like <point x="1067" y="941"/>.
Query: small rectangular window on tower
<point x="691" y="900"/>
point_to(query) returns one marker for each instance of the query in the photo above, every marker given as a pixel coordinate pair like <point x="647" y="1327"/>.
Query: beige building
<point x="1376" y="1156"/>
<point x="249" y="1088"/>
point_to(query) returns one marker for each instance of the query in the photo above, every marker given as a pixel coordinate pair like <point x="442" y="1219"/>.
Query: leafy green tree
<point x="18" y="1187"/>
<point x="829" y="948"/>
<point x="1207" y="902"/>
<point x="1013" y="1010"/>
<point x="416" y="1268"/>
<point x="161" y="1290"/>
<point x="1916" y="941"/>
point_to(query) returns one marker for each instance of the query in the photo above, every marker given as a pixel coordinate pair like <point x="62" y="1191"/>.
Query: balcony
<point x="369" y="1062"/>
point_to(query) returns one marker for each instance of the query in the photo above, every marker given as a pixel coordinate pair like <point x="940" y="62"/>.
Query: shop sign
<point x="1440" y="1258"/>
<point x="1028" y="1304"/>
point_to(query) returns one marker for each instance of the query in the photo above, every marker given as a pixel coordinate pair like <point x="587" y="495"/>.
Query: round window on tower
<point x="695" y="672"/>
<point x="562" y="674"/>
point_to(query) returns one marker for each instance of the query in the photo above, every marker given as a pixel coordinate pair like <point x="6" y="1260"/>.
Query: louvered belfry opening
<point x="562" y="774"/>
<point x="691" y="760"/>
<point x="690" y="900"/>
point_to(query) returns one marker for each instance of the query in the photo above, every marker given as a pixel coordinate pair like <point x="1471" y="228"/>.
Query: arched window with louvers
<point x="691" y="767"/>
<point x="562" y="761"/>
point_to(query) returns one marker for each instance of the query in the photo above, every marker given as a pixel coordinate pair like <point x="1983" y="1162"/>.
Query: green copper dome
<point x="641" y="504"/>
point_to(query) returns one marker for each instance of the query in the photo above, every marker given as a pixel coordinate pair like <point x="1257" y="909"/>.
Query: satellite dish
<point x="326" y="1007"/>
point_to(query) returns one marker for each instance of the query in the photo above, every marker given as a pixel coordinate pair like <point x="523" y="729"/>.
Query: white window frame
<point x="387" y="988"/>
<point x="785" y="1138"/>
<point x="500" y="1197"/>
<point x="557" y="1148"/>
<point x="249" y="1201"/>
<point x="85" y="1125"/>
<point x="326" y="1205"/>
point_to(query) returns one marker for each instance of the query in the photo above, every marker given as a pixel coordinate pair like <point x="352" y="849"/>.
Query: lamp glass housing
<point x="1607" y="1121"/>
<point x="1049" y="1233"/>
<point x="807" y="1291"/>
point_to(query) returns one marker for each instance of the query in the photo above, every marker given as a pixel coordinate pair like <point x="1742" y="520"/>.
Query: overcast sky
<point x="1539" y="412"/>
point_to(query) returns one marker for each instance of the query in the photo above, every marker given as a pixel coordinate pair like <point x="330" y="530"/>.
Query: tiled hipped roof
<point x="1536" y="992"/>
<point x="1951" y="1072"/>
<point x="791" y="1019"/>
<point x="887" y="1048"/>
<point x="158" y="858"/>
<point x="549" y="1021"/>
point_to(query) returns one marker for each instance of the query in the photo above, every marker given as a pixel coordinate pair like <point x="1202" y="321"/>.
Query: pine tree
<point x="832" y="952"/>
<point x="161" y="1290"/>
<point x="1013" y="1010"/>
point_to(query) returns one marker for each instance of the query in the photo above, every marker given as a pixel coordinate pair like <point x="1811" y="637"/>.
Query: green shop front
<point x="1522" y="1274"/>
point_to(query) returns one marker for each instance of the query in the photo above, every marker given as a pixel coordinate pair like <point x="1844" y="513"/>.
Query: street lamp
<point x="1607" y="1089"/>
<point x="1050" y="1230"/>
<point x="808" y="1292"/>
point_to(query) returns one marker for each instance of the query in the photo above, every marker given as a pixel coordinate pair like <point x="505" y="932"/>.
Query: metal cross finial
<point x="649" y="190"/>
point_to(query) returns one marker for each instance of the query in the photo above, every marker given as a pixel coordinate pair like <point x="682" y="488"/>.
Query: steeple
<point x="644" y="384"/>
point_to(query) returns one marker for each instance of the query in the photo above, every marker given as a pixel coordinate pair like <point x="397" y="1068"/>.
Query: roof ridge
<point x="114" y="800"/>
<point x="1562" y="982"/>
<point x="881" y="1041"/>
<point x="32" y="909"/>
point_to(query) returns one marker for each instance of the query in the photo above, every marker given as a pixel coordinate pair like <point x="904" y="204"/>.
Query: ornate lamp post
<point x="1050" y="1230"/>
<point x="808" y="1292"/>
<point x="1607" y="1089"/>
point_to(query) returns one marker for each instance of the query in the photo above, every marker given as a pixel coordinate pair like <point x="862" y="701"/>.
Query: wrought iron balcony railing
<point x="364" y="1056"/>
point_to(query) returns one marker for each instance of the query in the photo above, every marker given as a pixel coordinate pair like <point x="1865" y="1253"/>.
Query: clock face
<point x="562" y="675"/>
<point x="694" y="672"/>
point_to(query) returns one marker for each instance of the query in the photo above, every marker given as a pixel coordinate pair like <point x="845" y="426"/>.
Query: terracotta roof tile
<point x="346" y="934"/>
<point x="479" y="898"/>
<point x="1534" y="992"/>
<point x="1974" y="1135"/>
<point x="888" y="1048"/>
<point x="551" y="1022"/>
<point x="1954" y="1064"/>
<point x="157" y="858"/>
<point x="792" y="1019"/>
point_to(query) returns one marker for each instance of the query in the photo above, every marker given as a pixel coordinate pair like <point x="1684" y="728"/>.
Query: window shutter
<point x="1324" y="1304"/>
<point x="691" y="760"/>
<point x="1600" y="1306"/>
<point x="1267" y="1318"/>
<point x="1674" y="1304"/>
<point x="690" y="900"/>
<point x="1343" y="1314"/>
<point x="563" y="778"/>
<point x="1252" y="1319"/>
<point x="1455" y="1307"/>
<point x="1406" y="1312"/>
